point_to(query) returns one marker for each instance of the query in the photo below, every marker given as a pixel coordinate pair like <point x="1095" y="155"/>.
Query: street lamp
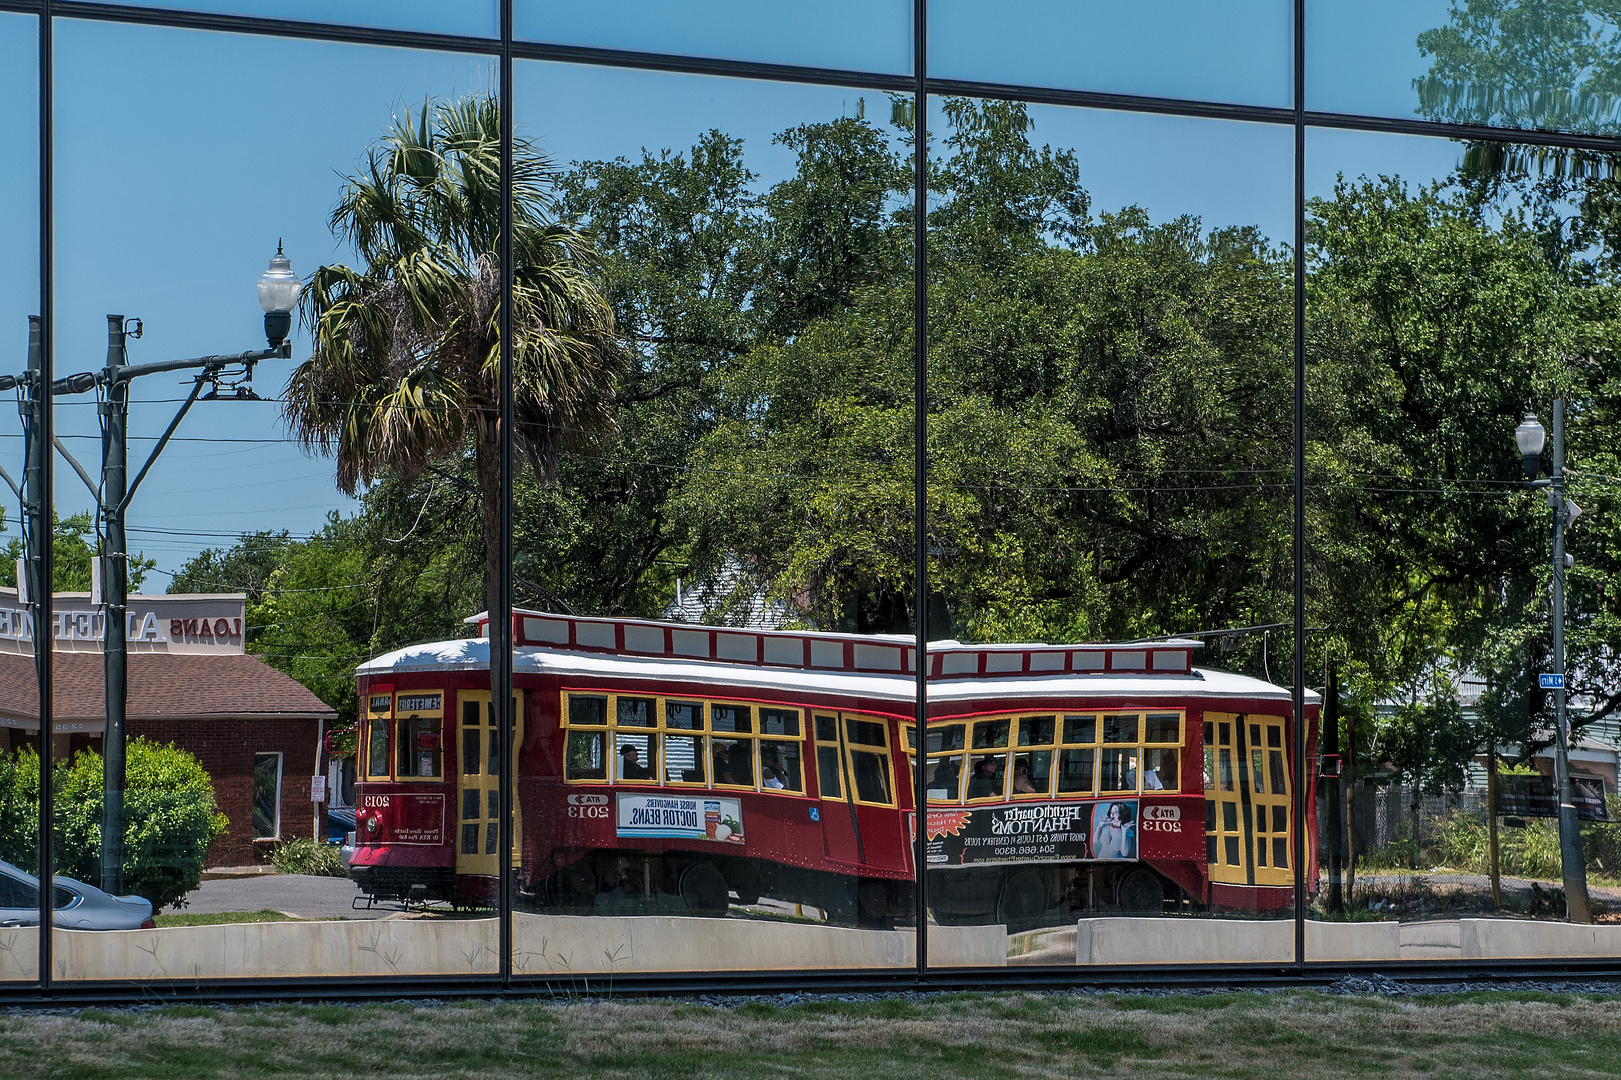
<point x="278" y="293"/>
<point x="1529" y="437"/>
<point x="229" y="377"/>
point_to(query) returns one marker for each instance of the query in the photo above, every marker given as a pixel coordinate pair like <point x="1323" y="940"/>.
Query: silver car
<point x="78" y="906"/>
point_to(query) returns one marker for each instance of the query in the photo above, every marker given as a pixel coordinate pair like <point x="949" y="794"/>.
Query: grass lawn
<point x="189" y="918"/>
<point x="978" y="1036"/>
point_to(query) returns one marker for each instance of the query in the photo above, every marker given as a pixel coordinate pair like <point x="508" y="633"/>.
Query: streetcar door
<point x="840" y="838"/>
<point x="1246" y="777"/>
<point x="479" y="789"/>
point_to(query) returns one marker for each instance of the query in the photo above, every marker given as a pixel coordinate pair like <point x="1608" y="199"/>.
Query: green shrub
<point x="169" y="814"/>
<point x="306" y="856"/>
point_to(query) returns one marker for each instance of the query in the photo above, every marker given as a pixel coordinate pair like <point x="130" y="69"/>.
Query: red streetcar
<point x="666" y="767"/>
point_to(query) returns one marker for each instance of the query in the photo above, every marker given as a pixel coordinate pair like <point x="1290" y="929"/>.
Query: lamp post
<point x="1530" y="437"/>
<point x="228" y="378"/>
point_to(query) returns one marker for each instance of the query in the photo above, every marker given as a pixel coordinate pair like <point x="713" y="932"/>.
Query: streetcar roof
<point x="473" y="654"/>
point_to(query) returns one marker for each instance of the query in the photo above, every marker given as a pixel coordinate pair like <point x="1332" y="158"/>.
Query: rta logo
<point x="588" y="800"/>
<point x="1162" y="813"/>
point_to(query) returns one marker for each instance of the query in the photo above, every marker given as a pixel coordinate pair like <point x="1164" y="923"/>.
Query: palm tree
<point x="405" y="369"/>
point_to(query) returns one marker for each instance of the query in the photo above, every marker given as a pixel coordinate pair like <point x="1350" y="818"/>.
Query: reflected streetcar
<point x="679" y="769"/>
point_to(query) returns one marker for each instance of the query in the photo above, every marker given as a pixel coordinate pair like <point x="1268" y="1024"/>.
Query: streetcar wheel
<point x="573" y="890"/>
<point x="1141" y="891"/>
<point x="705" y="891"/>
<point x="1024" y="899"/>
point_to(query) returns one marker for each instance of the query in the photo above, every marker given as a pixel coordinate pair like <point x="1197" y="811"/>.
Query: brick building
<point x="256" y="731"/>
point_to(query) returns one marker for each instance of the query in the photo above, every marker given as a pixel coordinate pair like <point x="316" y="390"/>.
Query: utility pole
<point x="114" y="411"/>
<point x="228" y="378"/>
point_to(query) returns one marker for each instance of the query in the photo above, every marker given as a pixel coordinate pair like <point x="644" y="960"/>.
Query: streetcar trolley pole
<point x="229" y="378"/>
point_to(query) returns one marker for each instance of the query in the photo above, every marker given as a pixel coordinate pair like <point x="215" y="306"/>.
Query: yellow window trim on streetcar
<point x="1012" y="739"/>
<point x="379" y="720"/>
<point x="424" y="712"/>
<point x="682" y="741"/>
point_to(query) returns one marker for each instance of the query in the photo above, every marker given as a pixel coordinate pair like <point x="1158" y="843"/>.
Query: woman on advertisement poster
<point x="1114" y="831"/>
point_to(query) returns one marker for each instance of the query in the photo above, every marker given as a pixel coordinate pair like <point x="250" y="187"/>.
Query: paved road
<point x="295" y="894"/>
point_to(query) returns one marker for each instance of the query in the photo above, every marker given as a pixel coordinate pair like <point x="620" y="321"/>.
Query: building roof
<point x="161" y="686"/>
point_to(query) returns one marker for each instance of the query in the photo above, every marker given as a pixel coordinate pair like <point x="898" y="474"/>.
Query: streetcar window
<point x="417" y="747"/>
<point x="1229" y="817"/>
<point x="1226" y="768"/>
<point x="1162" y="772"/>
<point x="870" y="774"/>
<point x="634" y="757"/>
<point x="587" y="711"/>
<point x="945" y="739"/>
<point x="1280" y="852"/>
<point x="377" y="747"/>
<point x="827" y="729"/>
<point x="1274" y="760"/>
<point x="865" y="733"/>
<point x="987" y="781"/>
<point x="685" y="715"/>
<point x="1280" y="819"/>
<point x="1231" y="844"/>
<point x="636" y="712"/>
<point x="1274" y="735"/>
<point x="1080" y="729"/>
<point x="470" y="807"/>
<point x="1257" y="776"/>
<point x="1120" y="728"/>
<point x="990" y="733"/>
<point x="1117" y="771"/>
<point x="584" y="757"/>
<point x="470" y="839"/>
<point x="1075" y="772"/>
<point x="1032" y="773"/>
<point x="1226" y="733"/>
<point x="779" y="721"/>
<point x="733" y="762"/>
<point x="945" y="780"/>
<point x="1209" y="768"/>
<point x="683" y="759"/>
<point x="471" y="757"/>
<point x="1036" y="731"/>
<point x="730" y="718"/>
<point x="780" y="768"/>
<point x="827" y="770"/>
<point x="1162" y="728"/>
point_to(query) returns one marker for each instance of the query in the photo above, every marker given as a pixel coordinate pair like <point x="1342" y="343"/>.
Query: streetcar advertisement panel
<point x="680" y="817"/>
<point x="1032" y="832"/>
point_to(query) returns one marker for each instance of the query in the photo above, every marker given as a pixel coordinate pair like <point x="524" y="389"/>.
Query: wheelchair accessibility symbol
<point x="815" y="813"/>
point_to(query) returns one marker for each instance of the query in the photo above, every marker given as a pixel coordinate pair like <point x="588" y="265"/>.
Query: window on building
<point x="266" y="796"/>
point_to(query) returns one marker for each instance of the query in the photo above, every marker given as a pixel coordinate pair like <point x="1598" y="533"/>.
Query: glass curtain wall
<point x="19" y="306"/>
<point x="1238" y="53"/>
<point x="256" y="491"/>
<point x="711" y="547"/>
<point x="1110" y="364"/>
<point x="711" y="526"/>
<point x="1455" y="295"/>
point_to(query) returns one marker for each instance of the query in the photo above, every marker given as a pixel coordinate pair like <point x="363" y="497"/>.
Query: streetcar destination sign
<point x="1551" y="682"/>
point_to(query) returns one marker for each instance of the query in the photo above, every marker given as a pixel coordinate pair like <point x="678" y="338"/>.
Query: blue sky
<point x="183" y="156"/>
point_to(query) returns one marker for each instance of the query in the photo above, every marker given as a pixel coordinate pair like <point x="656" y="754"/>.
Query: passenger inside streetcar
<point x="944" y="780"/>
<point x="987" y="779"/>
<point x="1021" y="779"/>
<point x="630" y="764"/>
<point x="771" y="772"/>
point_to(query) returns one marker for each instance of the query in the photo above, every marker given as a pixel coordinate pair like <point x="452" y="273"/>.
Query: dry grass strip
<point x="978" y="1036"/>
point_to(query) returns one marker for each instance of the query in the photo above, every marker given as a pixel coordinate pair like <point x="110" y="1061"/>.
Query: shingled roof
<point x="161" y="686"/>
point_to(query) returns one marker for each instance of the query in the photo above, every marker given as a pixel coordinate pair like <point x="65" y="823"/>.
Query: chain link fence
<point x="1421" y="856"/>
